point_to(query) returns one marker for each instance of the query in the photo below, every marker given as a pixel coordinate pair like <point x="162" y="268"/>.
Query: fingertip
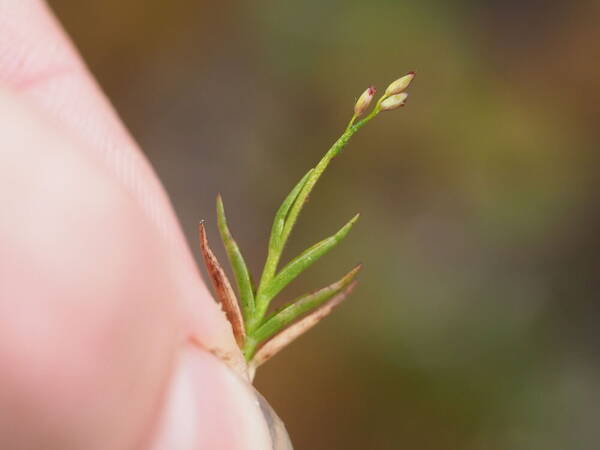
<point x="207" y="405"/>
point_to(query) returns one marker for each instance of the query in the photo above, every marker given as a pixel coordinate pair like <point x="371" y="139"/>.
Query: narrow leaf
<point x="302" y="305"/>
<point x="236" y="260"/>
<point x="223" y="289"/>
<point x="312" y="181"/>
<point x="300" y="263"/>
<point x="283" y="210"/>
<point x="275" y="247"/>
<point x="287" y="336"/>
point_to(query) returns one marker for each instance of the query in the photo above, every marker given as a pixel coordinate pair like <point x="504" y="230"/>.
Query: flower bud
<point x="400" y="84"/>
<point x="363" y="102"/>
<point x="393" y="102"/>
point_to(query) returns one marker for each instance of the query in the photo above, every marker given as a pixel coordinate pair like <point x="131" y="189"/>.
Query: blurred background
<point x="475" y="325"/>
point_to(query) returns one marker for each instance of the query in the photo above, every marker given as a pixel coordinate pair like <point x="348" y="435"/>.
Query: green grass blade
<point x="298" y="265"/>
<point x="240" y="270"/>
<point x="302" y="305"/>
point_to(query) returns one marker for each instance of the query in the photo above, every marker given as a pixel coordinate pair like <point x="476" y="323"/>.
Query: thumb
<point x="94" y="346"/>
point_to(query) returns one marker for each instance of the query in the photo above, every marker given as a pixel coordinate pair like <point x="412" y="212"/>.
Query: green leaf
<point x="302" y="305"/>
<point x="275" y="247"/>
<point x="299" y="264"/>
<point x="312" y="181"/>
<point x="282" y="212"/>
<point x="290" y="334"/>
<point x="236" y="260"/>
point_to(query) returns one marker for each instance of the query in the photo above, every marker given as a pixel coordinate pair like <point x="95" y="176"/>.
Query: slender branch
<point x="264" y="294"/>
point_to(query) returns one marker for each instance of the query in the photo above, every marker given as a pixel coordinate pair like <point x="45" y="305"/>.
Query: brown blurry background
<point x="476" y="322"/>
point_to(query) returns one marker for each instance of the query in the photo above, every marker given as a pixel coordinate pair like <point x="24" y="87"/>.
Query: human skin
<point x="108" y="335"/>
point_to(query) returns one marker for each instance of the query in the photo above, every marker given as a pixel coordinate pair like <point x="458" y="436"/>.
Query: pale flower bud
<point x="400" y="84"/>
<point x="393" y="102"/>
<point x="363" y="102"/>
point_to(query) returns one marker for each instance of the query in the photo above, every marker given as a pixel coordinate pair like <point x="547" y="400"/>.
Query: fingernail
<point x="280" y="440"/>
<point x="208" y="405"/>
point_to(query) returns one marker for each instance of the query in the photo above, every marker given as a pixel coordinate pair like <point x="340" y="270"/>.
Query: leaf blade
<point x="223" y="289"/>
<point x="302" y="305"/>
<point x="301" y="263"/>
<point x="290" y="334"/>
<point x="318" y="170"/>
<point x="275" y="247"/>
<point x="236" y="260"/>
<point x="282" y="212"/>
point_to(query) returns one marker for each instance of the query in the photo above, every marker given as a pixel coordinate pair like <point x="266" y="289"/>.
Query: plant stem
<point x="263" y="296"/>
<point x="250" y="345"/>
<point x="273" y="254"/>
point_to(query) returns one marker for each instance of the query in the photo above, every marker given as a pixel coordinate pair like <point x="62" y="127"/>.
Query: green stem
<point x="274" y="241"/>
<point x="296" y="266"/>
<point x="250" y="345"/>
<point x="263" y="296"/>
<point x="354" y="117"/>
